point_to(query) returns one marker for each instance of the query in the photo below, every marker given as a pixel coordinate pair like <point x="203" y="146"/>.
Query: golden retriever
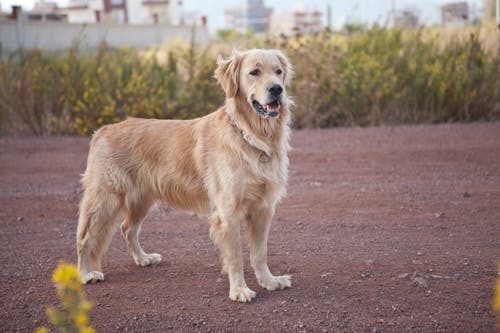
<point x="230" y="166"/>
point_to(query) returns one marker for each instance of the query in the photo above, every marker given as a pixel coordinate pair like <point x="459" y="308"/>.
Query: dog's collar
<point x="264" y="157"/>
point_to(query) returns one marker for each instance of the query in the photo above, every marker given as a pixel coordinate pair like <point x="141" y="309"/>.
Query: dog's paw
<point x="242" y="294"/>
<point x="276" y="282"/>
<point x="92" y="277"/>
<point x="148" y="259"/>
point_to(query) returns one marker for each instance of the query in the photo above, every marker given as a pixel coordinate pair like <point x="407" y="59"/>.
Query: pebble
<point x="420" y="281"/>
<point x="435" y="276"/>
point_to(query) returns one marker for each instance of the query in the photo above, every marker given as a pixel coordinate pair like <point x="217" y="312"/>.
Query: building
<point x="97" y="25"/>
<point x="46" y="11"/>
<point x="193" y="18"/>
<point x="43" y="11"/>
<point x="455" y="14"/>
<point x="300" y="20"/>
<point x="251" y="15"/>
<point x="125" y="11"/>
<point x="406" y="19"/>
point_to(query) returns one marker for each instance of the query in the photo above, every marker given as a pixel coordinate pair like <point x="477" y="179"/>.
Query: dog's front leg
<point x="225" y="231"/>
<point x="258" y="226"/>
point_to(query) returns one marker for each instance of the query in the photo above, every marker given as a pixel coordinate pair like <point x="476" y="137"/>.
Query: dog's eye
<point x="255" y="72"/>
<point x="279" y="72"/>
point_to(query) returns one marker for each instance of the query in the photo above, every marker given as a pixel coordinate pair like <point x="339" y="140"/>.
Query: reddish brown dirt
<point x="370" y="213"/>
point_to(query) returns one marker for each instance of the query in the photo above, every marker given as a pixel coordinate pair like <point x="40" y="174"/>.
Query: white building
<point x="250" y="15"/>
<point x="300" y="20"/>
<point x="125" y="11"/>
<point x="455" y="14"/>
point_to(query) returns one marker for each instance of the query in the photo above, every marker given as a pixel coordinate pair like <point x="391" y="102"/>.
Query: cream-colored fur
<point x="230" y="166"/>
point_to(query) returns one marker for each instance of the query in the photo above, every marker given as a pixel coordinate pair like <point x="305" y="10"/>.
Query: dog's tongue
<point x="273" y="109"/>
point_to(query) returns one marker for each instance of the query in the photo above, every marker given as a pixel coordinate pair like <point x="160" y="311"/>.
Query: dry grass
<point x="377" y="76"/>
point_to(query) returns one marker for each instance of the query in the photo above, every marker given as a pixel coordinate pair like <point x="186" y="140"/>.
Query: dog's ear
<point x="227" y="73"/>
<point x="287" y="67"/>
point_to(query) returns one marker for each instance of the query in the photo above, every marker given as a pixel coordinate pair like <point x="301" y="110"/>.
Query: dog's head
<point x="259" y="77"/>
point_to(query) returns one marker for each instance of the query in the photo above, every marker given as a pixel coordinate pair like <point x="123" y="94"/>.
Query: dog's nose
<point x="275" y="89"/>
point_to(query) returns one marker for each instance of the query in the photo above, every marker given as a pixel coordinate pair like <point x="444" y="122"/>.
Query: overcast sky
<point x="342" y="10"/>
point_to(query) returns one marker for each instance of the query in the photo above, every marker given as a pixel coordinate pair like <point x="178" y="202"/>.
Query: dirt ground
<point x="383" y="230"/>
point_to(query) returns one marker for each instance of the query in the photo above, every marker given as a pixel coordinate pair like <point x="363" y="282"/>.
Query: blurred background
<point x="70" y="66"/>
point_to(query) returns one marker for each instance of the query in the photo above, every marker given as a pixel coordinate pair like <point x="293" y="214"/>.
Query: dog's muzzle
<point x="272" y="108"/>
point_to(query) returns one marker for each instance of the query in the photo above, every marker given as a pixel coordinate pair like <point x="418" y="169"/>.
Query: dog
<point x="230" y="166"/>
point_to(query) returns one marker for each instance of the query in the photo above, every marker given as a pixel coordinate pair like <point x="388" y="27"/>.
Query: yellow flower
<point x="86" y="305"/>
<point x="496" y="300"/>
<point x="42" y="330"/>
<point x="294" y="44"/>
<point x="65" y="273"/>
<point x="81" y="319"/>
<point x="88" y="330"/>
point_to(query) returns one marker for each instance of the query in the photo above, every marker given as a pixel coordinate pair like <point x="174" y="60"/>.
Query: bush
<point x="388" y="76"/>
<point x="76" y="93"/>
<point x="373" y="76"/>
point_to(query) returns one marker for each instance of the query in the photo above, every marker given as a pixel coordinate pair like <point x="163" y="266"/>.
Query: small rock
<point x="467" y="195"/>
<point x="326" y="274"/>
<point x="440" y="214"/>
<point x="315" y="184"/>
<point x="419" y="253"/>
<point x="20" y="218"/>
<point x="436" y="276"/>
<point x="403" y="275"/>
<point x="420" y="281"/>
<point x="366" y="274"/>
<point x="379" y="321"/>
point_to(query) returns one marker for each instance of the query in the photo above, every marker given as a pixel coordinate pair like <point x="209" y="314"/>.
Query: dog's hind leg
<point x="98" y="215"/>
<point x="135" y="211"/>
<point x="225" y="231"/>
<point x="258" y="224"/>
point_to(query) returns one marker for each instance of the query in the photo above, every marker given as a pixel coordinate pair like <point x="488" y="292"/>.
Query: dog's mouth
<point x="271" y="110"/>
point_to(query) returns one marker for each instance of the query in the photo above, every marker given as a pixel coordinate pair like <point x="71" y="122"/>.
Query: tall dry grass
<point x="372" y="77"/>
<point x="386" y="76"/>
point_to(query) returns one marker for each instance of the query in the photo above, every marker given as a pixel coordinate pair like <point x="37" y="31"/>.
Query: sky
<point x="362" y="11"/>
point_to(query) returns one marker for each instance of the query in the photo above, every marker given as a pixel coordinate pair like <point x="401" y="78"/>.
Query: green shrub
<point x="369" y="77"/>
<point x="387" y="76"/>
<point x="75" y="93"/>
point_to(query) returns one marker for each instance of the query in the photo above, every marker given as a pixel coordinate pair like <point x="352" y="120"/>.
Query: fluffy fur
<point x="230" y="166"/>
